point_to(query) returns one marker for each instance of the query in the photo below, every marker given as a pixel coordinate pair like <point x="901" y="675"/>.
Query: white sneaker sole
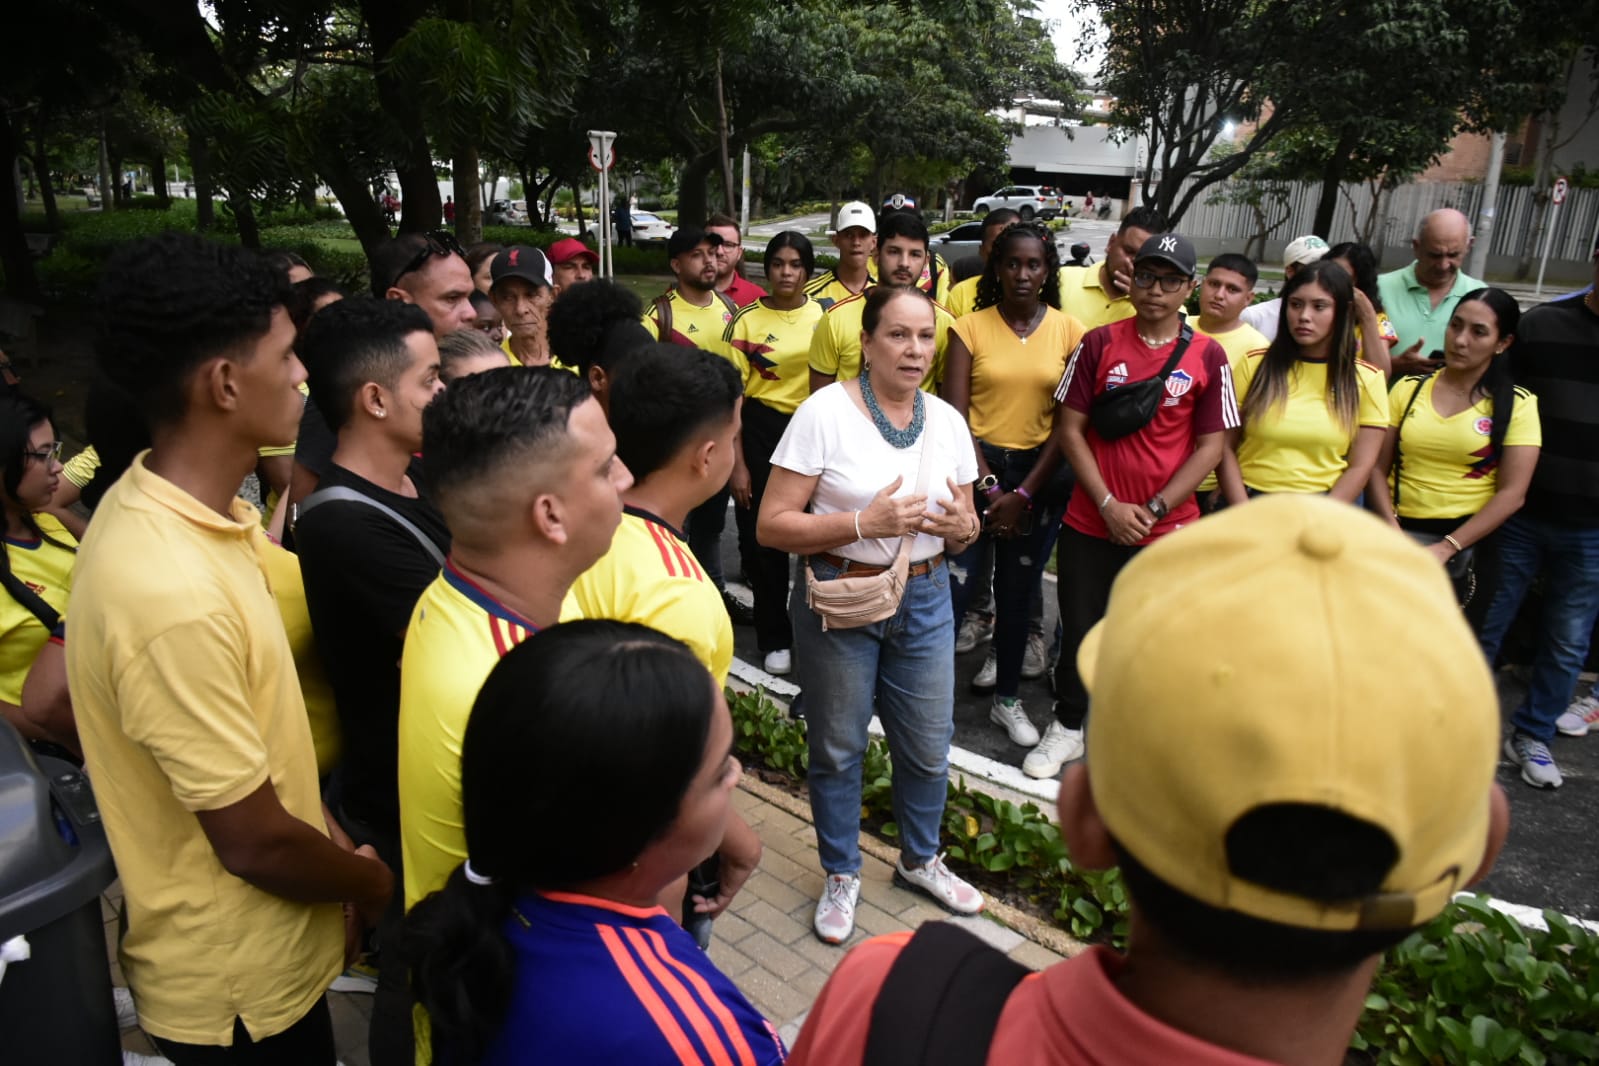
<point x="1026" y="740"/>
<point x="908" y="883"/>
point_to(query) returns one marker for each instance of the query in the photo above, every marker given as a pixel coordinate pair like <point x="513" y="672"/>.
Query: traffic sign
<point x="602" y="149"/>
<point x="1559" y="194"/>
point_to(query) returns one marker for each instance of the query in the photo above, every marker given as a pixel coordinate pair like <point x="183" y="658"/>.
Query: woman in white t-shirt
<point x="843" y="491"/>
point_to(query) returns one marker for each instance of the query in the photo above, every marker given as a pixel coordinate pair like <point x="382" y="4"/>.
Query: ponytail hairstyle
<point x="1496" y="382"/>
<point x="989" y="290"/>
<point x="551" y="801"/>
<point x="1269" y="389"/>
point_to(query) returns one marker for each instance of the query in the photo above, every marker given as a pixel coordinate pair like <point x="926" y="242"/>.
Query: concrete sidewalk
<point x="764" y="943"/>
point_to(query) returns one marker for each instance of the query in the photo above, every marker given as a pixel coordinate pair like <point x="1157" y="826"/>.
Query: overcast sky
<point x="1068" y="28"/>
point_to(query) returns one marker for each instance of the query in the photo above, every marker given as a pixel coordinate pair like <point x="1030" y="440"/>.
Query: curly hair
<point x="989" y="290"/>
<point x="586" y="325"/>
<point x="167" y="304"/>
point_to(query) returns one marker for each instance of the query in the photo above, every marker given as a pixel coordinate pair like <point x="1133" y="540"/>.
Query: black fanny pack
<point x="1118" y="412"/>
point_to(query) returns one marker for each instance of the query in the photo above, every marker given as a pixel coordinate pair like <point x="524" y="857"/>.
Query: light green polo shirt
<point x="1410" y="308"/>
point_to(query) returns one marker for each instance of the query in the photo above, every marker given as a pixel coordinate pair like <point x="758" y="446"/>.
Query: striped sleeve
<point x="1218" y="408"/>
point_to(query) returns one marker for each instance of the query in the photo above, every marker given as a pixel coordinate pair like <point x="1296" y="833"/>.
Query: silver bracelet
<point x="858" y="526"/>
<point x="1106" y="502"/>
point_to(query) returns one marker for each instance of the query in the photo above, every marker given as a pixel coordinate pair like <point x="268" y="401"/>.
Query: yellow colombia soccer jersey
<point x="79" y="470"/>
<point x="836" y="348"/>
<point x="925" y="282"/>
<point x="1082" y="297"/>
<point x="650" y="576"/>
<point x="963" y="297"/>
<point x="1237" y="343"/>
<point x="47" y="570"/>
<point x="1448" y="469"/>
<point x="692" y="327"/>
<point x="457" y="633"/>
<point x="1300" y="446"/>
<point x="771" y="350"/>
<point x="827" y="290"/>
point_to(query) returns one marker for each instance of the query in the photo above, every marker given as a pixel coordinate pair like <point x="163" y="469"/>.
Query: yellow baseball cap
<point x="1291" y="650"/>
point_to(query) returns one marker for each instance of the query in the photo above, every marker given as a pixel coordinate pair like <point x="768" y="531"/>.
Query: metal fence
<point x="1218" y="214"/>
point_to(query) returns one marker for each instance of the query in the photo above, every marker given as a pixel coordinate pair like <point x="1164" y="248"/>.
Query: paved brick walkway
<point x="764" y="943"/>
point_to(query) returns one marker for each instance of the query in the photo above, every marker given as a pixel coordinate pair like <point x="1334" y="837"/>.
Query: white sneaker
<point x="1538" y="767"/>
<point x="1035" y="659"/>
<point x="988" y="676"/>
<point x="1059" y="747"/>
<point x="835" y="911"/>
<point x="127" y="1014"/>
<point x="135" y="1058"/>
<point x="1012" y="718"/>
<point x="779" y="662"/>
<point x="936" y="880"/>
<point x="1580" y="717"/>
<point x="975" y="629"/>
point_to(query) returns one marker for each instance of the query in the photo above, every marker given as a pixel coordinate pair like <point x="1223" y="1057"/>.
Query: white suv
<point x="1029" y="201"/>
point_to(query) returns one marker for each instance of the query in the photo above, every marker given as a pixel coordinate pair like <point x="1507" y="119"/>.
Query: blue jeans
<point x="906" y="664"/>
<point x="1018" y="566"/>
<point x="1569" y="558"/>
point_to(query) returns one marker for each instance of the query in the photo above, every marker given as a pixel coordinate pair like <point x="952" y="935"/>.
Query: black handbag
<point x="1118" y="412"/>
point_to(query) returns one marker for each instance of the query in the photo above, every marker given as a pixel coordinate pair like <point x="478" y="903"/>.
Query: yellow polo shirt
<point x="186" y="700"/>
<point x="1082" y="297"/>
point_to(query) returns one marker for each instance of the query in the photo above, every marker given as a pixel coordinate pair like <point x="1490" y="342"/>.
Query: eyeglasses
<point x="1145" y="279"/>
<point x="48" y="454"/>
<point x="439" y="242"/>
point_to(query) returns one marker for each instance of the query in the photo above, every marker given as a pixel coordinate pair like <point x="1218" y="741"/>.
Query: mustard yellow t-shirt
<point x="836" y="346"/>
<point x="47" y="570"/>
<point x="288" y="589"/>
<point x="1237" y="343"/>
<point x="771" y="350"/>
<point x="650" y="576"/>
<point x="1013" y="380"/>
<point x="1448" y="469"/>
<point x="827" y="290"/>
<point x="1082" y="297"/>
<point x="1300" y="446"/>
<point x="692" y="326"/>
<point x="79" y="470"/>
<point x="186" y="700"/>
<point x="963" y="297"/>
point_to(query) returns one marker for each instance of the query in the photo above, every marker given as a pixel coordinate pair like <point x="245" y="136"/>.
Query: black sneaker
<point x="741" y="614"/>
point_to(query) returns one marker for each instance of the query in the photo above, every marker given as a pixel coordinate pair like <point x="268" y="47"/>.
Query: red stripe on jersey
<point x="704" y="1028"/>
<point x="664" y="542"/>
<point x="648" y="998"/>
<point x="730" y="1025"/>
<point x="500" y="645"/>
<point x="691" y="565"/>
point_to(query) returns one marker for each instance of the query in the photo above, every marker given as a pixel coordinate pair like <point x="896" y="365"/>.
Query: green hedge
<point x="1473" y="986"/>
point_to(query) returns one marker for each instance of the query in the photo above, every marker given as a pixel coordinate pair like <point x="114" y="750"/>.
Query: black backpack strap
<point x="941" y="1000"/>
<point x="1399" y="433"/>
<point x="47" y="615"/>
<point x="349" y="495"/>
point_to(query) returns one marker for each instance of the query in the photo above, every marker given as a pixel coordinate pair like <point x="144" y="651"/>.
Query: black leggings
<point x="766" y="568"/>
<point x="1085" y="569"/>
<point x="308" y="1042"/>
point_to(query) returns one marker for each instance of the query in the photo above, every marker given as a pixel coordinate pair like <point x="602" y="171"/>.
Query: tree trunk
<point x="47" y="190"/>
<point x="163" y="195"/>
<point x="722" y="137"/>
<point x="468" y="195"/>
<point x="244" y="218"/>
<point x="106" y="200"/>
<point x="691" y="198"/>
<point x="530" y="193"/>
<point x="1331" y="178"/>
<point x="1550" y="127"/>
<point x="577" y="205"/>
<point x="200" y="168"/>
<point x="362" y="212"/>
<point x="20" y="279"/>
<point x="420" y="206"/>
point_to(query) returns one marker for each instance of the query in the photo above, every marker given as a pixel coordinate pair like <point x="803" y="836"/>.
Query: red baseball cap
<point x="569" y="248"/>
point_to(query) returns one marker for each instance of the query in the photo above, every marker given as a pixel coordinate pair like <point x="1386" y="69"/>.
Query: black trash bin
<point x="55" y="1007"/>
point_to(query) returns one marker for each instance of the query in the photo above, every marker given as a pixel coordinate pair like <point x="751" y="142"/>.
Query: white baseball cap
<point x="856" y="213"/>
<point x="1306" y="249"/>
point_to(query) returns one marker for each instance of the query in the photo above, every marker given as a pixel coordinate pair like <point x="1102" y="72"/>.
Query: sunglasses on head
<point x="439" y="242"/>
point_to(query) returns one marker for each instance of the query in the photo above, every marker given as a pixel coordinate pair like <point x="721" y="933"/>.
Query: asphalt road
<point x="1550" y="861"/>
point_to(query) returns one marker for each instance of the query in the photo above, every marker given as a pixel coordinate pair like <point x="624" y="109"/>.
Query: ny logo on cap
<point x="1168" y="244"/>
<point x="516" y="253"/>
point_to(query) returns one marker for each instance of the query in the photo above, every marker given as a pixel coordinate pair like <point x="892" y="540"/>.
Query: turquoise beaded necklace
<point x="899" y="438"/>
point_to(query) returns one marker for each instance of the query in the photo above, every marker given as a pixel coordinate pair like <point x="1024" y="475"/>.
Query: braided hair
<point x="989" y="290"/>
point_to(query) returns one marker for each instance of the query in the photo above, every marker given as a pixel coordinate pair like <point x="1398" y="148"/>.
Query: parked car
<point x="650" y="229"/>
<point x="960" y="248"/>
<point x="506" y="213"/>
<point x="1029" y="201"/>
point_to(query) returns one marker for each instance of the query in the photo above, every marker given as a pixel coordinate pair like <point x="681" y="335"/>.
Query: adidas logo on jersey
<point x="692" y="328"/>
<point x="771" y="338"/>
<point x="1117" y="375"/>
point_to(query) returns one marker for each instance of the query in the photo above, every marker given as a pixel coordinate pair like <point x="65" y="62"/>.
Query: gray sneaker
<point x="1538" y="767"/>
<point x="1579" y="718"/>
<point x="975" y="629"/>
<point x="1035" y="660"/>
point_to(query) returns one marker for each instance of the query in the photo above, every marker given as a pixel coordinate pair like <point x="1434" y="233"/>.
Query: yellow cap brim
<point x="1088" y="654"/>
